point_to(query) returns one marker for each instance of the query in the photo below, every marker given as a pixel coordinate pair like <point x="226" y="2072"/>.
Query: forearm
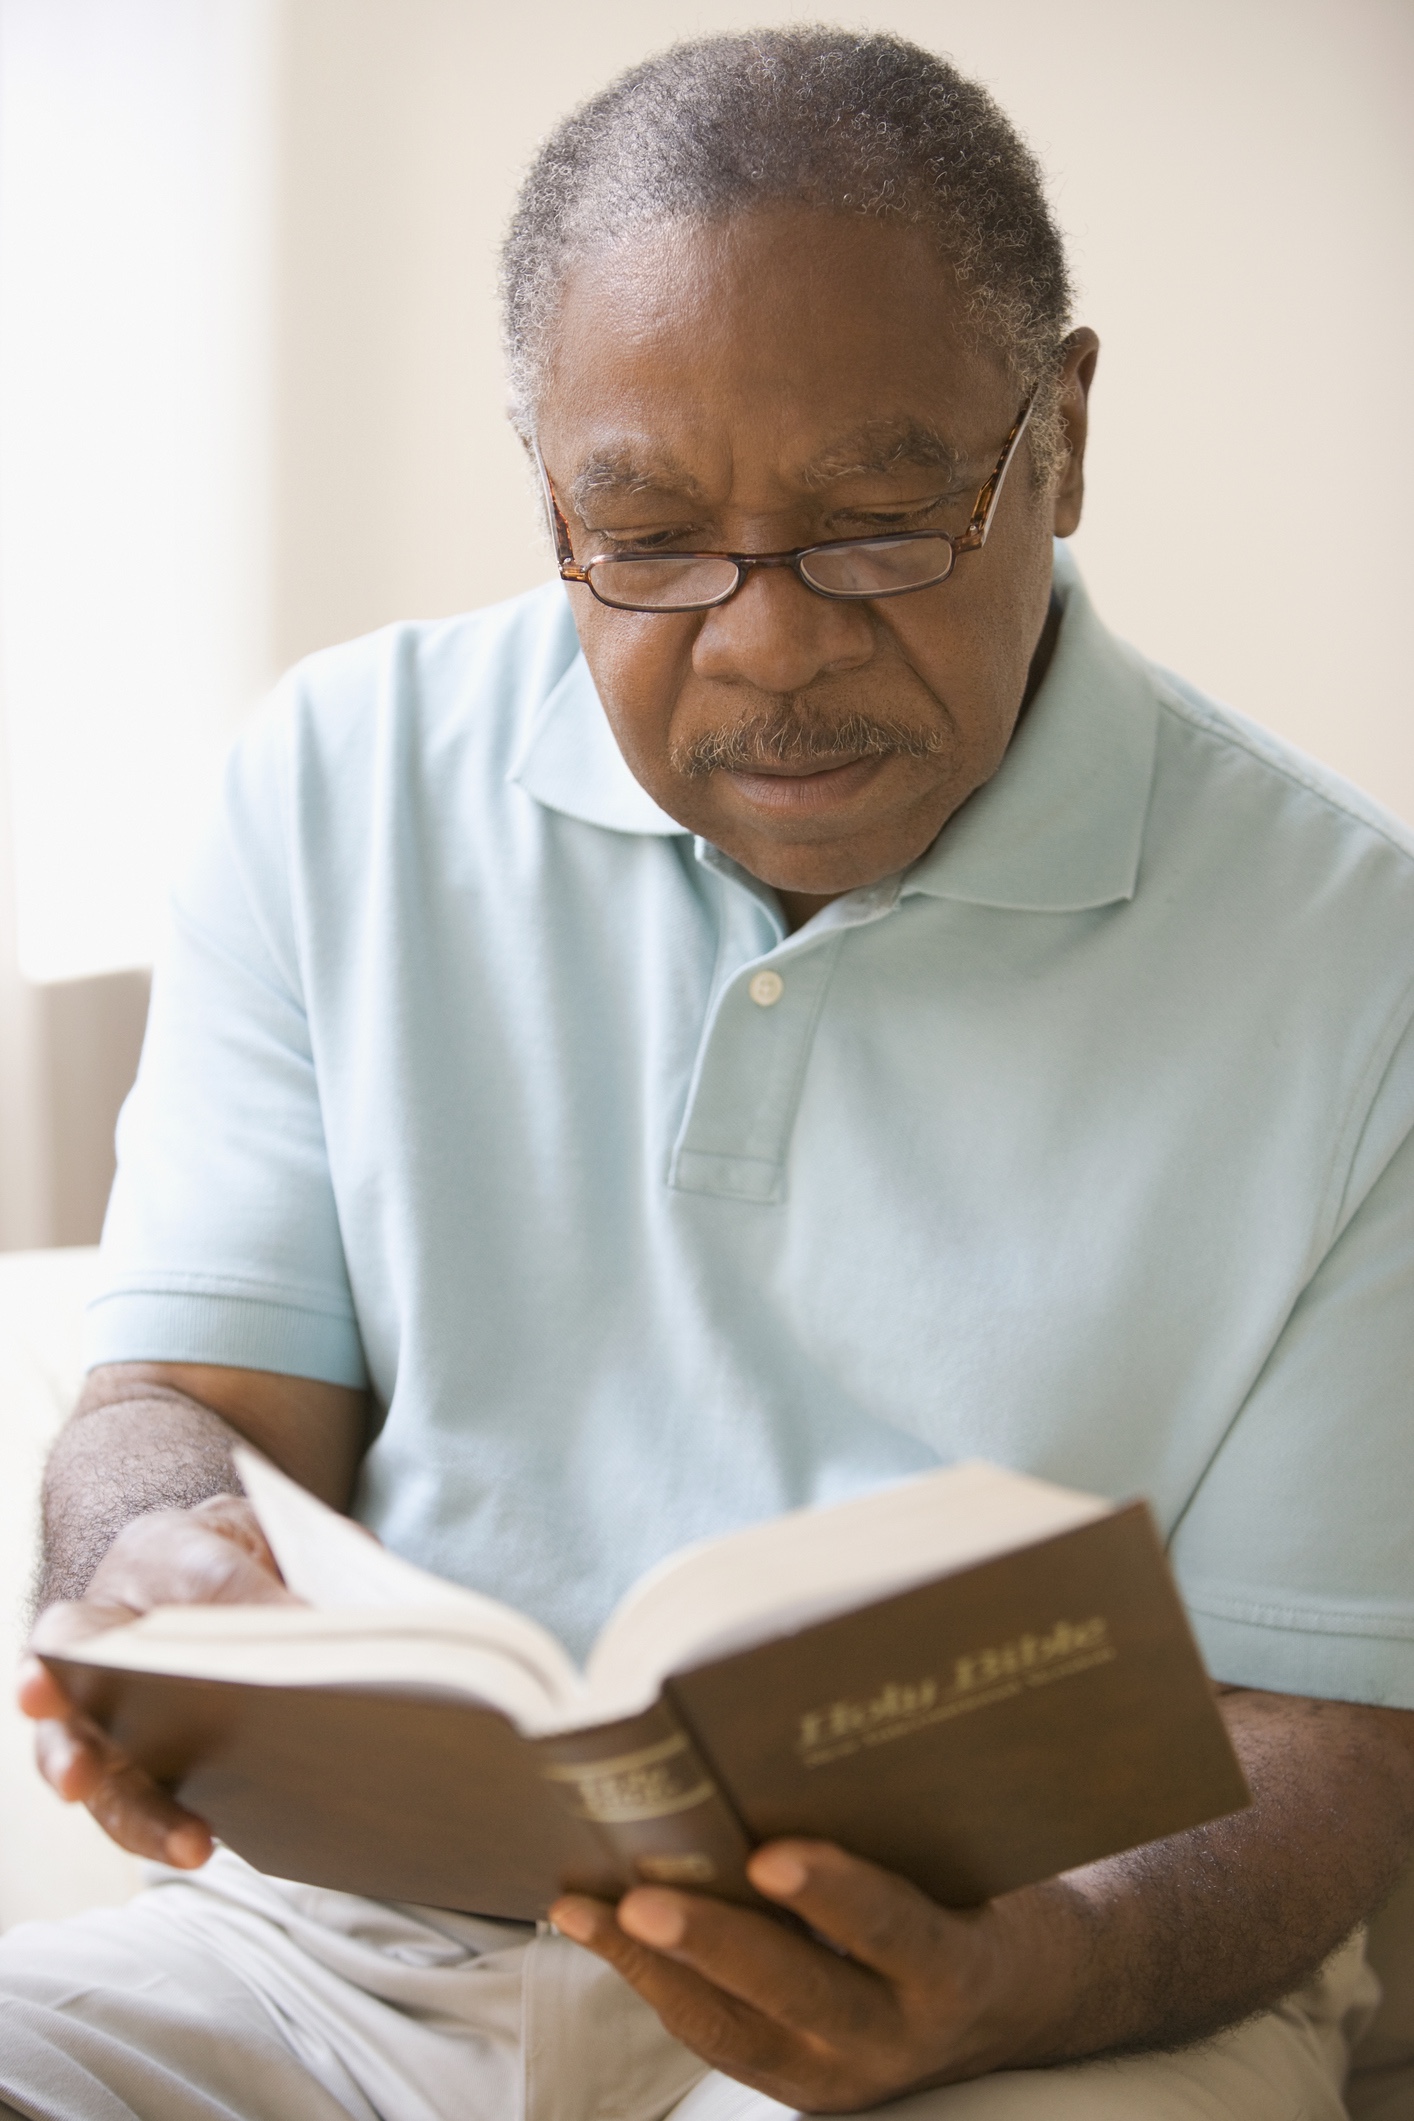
<point x="1177" y="1940"/>
<point x="880" y="1991"/>
<point x="158" y="1436"/>
<point x="122" y="1454"/>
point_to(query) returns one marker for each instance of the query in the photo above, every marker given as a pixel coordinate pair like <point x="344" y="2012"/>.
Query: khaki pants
<point x="232" y="1997"/>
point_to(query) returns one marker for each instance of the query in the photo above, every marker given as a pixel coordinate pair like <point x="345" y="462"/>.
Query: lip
<point x="796" y="790"/>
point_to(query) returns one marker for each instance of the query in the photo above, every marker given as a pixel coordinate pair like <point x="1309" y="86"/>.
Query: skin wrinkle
<point x="874" y="450"/>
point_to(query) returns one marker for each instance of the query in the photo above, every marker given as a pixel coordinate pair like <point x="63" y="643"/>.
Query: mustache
<point x="790" y="736"/>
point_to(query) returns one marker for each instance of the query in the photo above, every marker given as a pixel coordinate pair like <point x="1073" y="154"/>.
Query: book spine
<point x="645" y="1787"/>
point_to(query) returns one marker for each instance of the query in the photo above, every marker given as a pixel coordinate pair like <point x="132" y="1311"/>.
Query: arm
<point x="141" y="1508"/>
<point x="1149" y="1950"/>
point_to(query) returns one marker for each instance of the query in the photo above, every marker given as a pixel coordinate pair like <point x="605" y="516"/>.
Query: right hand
<point x="214" y="1554"/>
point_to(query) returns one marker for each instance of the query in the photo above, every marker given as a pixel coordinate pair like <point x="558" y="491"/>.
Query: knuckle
<point x="119" y="1808"/>
<point x="887" y="1931"/>
<point x="196" y="1556"/>
<point x="901" y="1924"/>
<point x="705" y="2020"/>
<point x="846" y="2084"/>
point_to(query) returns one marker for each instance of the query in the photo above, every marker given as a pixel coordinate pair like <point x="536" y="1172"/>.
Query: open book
<point x="972" y="1677"/>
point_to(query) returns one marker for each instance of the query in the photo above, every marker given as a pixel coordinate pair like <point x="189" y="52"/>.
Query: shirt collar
<point x="570" y="761"/>
<point x="1060" y="825"/>
<point x="1058" y="828"/>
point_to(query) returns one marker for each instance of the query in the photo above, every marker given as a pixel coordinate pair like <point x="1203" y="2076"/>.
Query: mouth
<point x="795" y="788"/>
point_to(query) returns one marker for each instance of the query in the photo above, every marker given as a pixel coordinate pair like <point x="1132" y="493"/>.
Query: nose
<point x="778" y="636"/>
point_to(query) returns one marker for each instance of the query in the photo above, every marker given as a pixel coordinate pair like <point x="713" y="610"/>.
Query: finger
<point x="879" y="1919"/>
<point x="72" y="1761"/>
<point x="786" y="1976"/>
<point x="39" y="1693"/>
<point x="62" y="1631"/>
<point x="141" y="1817"/>
<point x="131" y="1808"/>
<point x="209" y="1555"/>
<point x="233" y="1518"/>
<point x="724" y="2031"/>
<point x="66" y="1626"/>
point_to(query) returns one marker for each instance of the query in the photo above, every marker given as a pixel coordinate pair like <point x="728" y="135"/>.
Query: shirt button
<point x="766" y="989"/>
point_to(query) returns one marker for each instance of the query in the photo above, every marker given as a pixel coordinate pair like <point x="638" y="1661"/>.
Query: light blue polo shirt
<point x="1084" y="1145"/>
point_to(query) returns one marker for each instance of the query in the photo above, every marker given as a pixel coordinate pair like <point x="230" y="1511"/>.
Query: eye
<point x="619" y="542"/>
<point x="878" y="522"/>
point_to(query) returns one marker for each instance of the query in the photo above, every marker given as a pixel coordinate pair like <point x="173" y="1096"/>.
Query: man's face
<point x="773" y="381"/>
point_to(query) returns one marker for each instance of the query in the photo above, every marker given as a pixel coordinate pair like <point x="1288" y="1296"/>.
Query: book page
<point x="775" y="1578"/>
<point x="335" y="1565"/>
<point x="283" y="1645"/>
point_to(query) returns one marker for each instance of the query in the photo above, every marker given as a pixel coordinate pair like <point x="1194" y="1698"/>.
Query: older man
<point x="798" y="1006"/>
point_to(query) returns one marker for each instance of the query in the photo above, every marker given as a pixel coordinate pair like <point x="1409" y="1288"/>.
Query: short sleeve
<point x="1296" y="1553"/>
<point x="222" y="1242"/>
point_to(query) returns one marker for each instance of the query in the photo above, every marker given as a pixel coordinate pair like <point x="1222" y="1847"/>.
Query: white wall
<point x="135" y="165"/>
<point x="250" y="397"/>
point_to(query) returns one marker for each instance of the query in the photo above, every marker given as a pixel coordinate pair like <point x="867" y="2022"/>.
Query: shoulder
<point x="404" y="737"/>
<point x="371" y="725"/>
<point x="1267" y="770"/>
<point x="1271" y="827"/>
<point x="486" y="670"/>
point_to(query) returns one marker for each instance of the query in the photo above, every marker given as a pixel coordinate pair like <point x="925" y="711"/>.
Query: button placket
<point x="750" y="1068"/>
<point x="760" y="1028"/>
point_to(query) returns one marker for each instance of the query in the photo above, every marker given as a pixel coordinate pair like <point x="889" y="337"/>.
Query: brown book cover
<point x="975" y="1732"/>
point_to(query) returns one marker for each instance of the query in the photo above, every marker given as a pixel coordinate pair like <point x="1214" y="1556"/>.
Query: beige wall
<point x="1235" y="177"/>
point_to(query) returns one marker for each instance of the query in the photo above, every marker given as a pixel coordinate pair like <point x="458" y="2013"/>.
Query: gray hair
<point x="850" y="123"/>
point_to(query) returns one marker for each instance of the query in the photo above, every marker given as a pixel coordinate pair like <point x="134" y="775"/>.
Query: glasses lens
<point x="877" y="567"/>
<point x="671" y="582"/>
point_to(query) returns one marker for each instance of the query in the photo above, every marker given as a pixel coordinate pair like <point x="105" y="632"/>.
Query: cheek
<point x="971" y="639"/>
<point x="957" y="654"/>
<point x="639" y="664"/>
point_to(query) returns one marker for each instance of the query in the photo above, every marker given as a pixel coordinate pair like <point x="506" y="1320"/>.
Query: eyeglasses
<point x="852" y="569"/>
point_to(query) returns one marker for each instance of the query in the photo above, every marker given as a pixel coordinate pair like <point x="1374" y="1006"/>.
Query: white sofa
<point x="53" y="1859"/>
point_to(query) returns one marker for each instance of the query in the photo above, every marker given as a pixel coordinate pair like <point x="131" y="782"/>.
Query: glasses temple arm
<point x="559" y="528"/>
<point x="975" y="536"/>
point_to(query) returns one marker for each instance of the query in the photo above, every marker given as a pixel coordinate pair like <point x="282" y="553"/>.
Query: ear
<point x="1078" y="357"/>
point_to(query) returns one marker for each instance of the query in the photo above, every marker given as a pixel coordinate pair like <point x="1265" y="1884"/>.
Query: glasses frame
<point x="970" y="540"/>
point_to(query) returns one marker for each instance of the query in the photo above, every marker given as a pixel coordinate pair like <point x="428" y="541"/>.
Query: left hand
<point x="913" y="1995"/>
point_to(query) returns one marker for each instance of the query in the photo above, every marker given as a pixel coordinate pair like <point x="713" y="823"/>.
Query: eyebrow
<point x="876" y="449"/>
<point x="882" y="446"/>
<point x="616" y="474"/>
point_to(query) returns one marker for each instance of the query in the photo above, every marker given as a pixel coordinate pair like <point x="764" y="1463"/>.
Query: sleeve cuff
<point x="241" y="1332"/>
<point x="1362" y="1655"/>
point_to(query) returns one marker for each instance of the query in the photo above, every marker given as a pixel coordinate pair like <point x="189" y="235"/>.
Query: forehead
<point x="835" y="341"/>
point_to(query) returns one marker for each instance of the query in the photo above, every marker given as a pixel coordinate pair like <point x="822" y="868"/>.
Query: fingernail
<point x="773" y="1871"/>
<point x="654" y="1918"/>
<point x="572" y="1921"/>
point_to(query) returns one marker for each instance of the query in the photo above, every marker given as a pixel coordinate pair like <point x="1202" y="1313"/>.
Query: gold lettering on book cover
<point x="976" y="1681"/>
<point x="651" y="1784"/>
<point x="692" y="1867"/>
